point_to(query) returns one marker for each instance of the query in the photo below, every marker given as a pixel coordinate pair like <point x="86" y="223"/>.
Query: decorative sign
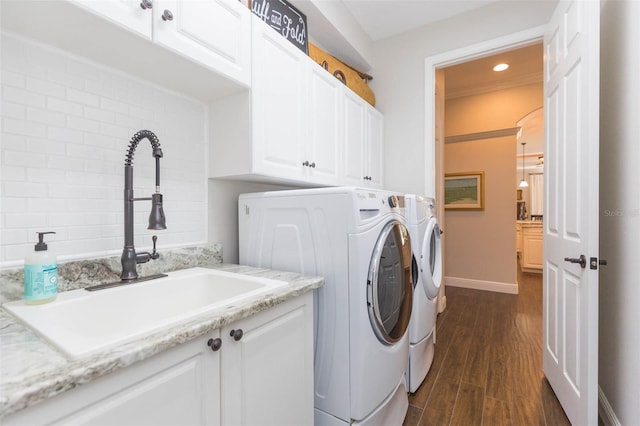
<point x="285" y="19"/>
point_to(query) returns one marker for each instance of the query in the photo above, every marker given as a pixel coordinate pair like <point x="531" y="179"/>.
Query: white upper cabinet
<point x="201" y="48"/>
<point x="216" y="33"/>
<point x="127" y="14"/>
<point x="298" y="125"/>
<point x="324" y="128"/>
<point x="278" y="111"/>
<point x="363" y="138"/>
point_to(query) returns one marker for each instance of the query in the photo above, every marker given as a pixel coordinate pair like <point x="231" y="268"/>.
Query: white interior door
<point x="570" y="311"/>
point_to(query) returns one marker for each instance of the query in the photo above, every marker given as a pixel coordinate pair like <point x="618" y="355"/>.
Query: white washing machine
<point x="425" y="241"/>
<point x="357" y="240"/>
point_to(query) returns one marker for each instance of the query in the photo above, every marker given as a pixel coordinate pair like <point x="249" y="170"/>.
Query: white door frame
<point x="434" y="184"/>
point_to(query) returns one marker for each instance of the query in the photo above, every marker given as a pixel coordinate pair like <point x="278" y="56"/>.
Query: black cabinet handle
<point x="214" y="344"/>
<point x="167" y="15"/>
<point x="236" y="334"/>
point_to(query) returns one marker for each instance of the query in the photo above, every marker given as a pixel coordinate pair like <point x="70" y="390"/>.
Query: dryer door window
<point x="431" y="260"/>
<point x="389" y="283"/>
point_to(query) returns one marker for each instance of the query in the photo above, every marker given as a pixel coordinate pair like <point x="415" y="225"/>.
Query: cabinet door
<point x="215" y="33"/>
<point x="354" y="140"/>
<point x="532" y="248"/>
<point x="278" y="108"/>
<point x="268" y="373"/>
<point x="177" y="387"/>
<point x="325" y="127"/>
<point x="374" y="147"/>
<point x="126" y="13"/>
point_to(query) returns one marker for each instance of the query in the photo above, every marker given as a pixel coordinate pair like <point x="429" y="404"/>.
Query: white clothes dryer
<point x="358" y="241"/>
<point x="425" y="240"/>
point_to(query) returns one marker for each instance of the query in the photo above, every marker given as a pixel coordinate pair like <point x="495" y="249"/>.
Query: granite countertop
<point x="31" y="370"/>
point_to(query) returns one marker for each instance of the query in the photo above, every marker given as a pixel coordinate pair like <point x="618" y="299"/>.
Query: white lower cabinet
<point x="262" y="374"/>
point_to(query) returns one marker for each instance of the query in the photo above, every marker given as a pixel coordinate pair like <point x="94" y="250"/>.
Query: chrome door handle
<point x="582" y="260"/>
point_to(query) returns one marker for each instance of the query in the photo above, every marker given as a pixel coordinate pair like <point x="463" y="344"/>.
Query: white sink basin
<point x="81" y="322"/>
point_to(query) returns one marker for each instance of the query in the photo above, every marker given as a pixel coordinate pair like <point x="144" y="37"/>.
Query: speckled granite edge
<point x="32" y="371"/>
<point x="83" y="273"/>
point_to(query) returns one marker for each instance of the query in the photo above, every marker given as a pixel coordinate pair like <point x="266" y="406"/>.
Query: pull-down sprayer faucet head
<point x="156" y="217"/>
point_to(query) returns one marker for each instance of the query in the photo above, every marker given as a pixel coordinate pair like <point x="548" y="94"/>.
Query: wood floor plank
<point x="553" y="412"/>
<point x="527" y="411"/>
<point x="477" y="365"/>
<point x="488" y="362"/>
<point x="440" y="405"/>
<point x="413" y="416"/>
<point x="469" y="406"/>
<point x="456" y="356"/>
<point x="496" y="413"/>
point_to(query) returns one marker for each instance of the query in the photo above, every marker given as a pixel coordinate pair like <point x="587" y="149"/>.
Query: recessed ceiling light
<point x="500" y="67"/>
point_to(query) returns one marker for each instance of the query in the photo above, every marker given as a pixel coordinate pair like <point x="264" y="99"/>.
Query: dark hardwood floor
<point x="487" y="368"/>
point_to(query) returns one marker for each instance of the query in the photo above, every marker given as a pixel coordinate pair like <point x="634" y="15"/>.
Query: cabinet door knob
<point x="167" y="15"/>
<point x="236" y="334"/>
<point x="306" y="164"/>
<point x="146" y="4"/>
<point x="312" y="165"/>
<point x="214" y="344"/>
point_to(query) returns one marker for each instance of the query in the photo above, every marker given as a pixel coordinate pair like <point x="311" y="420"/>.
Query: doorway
<point x="487" y="114"/>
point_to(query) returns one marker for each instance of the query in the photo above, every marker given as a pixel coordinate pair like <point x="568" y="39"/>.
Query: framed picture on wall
<point x="464" y="191"/>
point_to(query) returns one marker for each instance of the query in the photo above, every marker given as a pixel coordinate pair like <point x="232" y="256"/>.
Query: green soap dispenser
<point x="40" y="274"/>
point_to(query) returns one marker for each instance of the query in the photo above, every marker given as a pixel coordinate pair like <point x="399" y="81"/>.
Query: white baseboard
<point x="511" y="288"/>
<point x="605" y="411"/>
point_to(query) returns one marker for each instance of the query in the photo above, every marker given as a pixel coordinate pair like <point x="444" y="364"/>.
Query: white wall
<point x="619" y="366"/>
<point x="66" y="126"/>
<point x="399" y="78"/>
<point x="223" y="212"/>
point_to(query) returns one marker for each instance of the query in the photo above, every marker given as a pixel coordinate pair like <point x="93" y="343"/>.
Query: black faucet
<point x="156" y="218"/>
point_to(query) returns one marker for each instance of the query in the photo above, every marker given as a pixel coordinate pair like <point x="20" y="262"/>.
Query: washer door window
<point x="389" y="283"/>
<point x="431" y="260"/>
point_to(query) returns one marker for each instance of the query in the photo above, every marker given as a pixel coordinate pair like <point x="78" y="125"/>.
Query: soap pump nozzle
<point x="41" y="245"/>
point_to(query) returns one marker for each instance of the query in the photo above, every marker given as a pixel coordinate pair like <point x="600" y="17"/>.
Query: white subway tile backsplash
<point x="65" y="135"/>
<point x="66" y="126"/>
<point x="44" y="116"/>
<point x="45" y="175"/>
<point x="70" y="108"/>
<point x="23" y="158"/>
<point x="14" y="79"/>
<point x="25" y="189"/>
<point x="62" y="162"/>
<point x="112" y="105"/>
<point x="26" y="220"/>
<point x="13" y="205"/>
<point x="23" y="97"/>
<point x="13" y="110"/>
<point x="45" y="146"/>
<point x="82" y="97"/>
<point x="61" y="76"/>
<point x="99" y="115"/>
<point x="23" y="127"/>
<point x="47" y="204"/>
<point x="8" y="173"/>
<point x="83" y="124"/>
<point x="44" y="87"/>
<point x="14" y="142"/>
